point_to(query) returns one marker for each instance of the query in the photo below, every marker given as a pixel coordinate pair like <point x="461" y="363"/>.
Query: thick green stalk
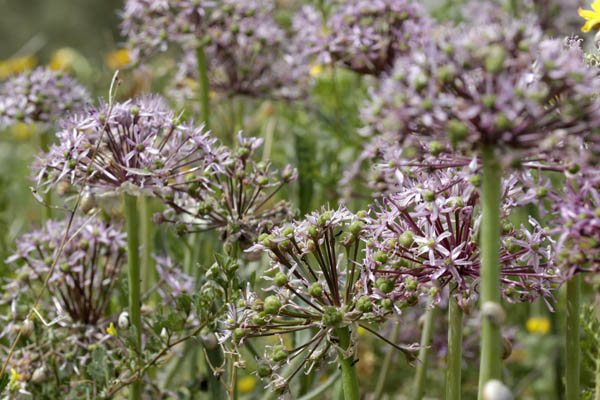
<point x="572" y="346"/>
<point x="133" y="277"/>
<point x="426" y="338"/>
<point x="491" y="341"/>
<point x="148" y="272"/>
<point x="203" y="85"/>
<point x="454" y="358"/>
<point x="387" y="363"/>
<point x="349" y="376"/>
<point x="46" y="210"/>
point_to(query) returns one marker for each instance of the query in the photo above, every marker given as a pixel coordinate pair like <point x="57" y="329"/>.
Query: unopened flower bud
<point x="210" y="341"/>
<point x="39" y="375"/>
<point x="123" y="321"/>
<point x="27" y="328"/>
<point x="506" y="348"/>
<point x="496" y="390"/>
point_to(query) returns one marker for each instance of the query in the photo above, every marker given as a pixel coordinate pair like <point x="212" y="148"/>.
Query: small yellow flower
<point x="111" y="330"/>
<point x="62" y="59"/>
<point x="14" y="376"/>
<point x="592" y="17"/>
<point x="22" y="130"/>
<point x="247" y="384"/>
<point x="538" y="325"/>
<point x="316" y="70"/>
<point x="15" y="65"/>
<point x="117" y="59"/>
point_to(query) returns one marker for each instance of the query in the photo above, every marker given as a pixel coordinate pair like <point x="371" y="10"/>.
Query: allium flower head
<point x="365" y="36"/>
<point x="40" y="96"/>
<point x="495" y="84"/>
<point x="577" y="222"/>
<point x="85" y="274"/>
<point x="316" y="283"/>
<point x="246" y="50"/>
<point x="140" y="146"/>
<point x="428" y="232"/>
<point x="234" y="195"/>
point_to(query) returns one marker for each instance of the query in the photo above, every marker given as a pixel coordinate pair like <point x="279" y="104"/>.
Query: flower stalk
<point x="133" y="277"/>
<point x="204" y="85"/>
<point x="572" y="339"/>
<point x="349" y="375"/>
<point x="454" y="359"/>
<point x="387" y="363"/>
<point x="491" y="344"/>
<point x="426" y="338"/>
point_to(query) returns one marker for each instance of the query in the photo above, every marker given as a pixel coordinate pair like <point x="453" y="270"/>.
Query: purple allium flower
<point x="365" y="36"/>
<point x="577" y="222"/>
<point x="234" y="195"/>
<point x="428" y="231"/>
<point x="501" y="84"/>
<point x="85" y="275"/>
<point x="246" y="50"/>
<point x="40" y="96"/>
<point x="316" y="283"/>
<point x="140" y="146"/>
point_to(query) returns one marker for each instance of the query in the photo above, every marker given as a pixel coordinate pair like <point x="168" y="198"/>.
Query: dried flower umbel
<point x="364" y="36"/>
<point x="317" y="285"/>
<point x="139" y="146"/>
<point x="86" y="273"/>
<point x="234" y="195"/>
<point x="40" y="96"/>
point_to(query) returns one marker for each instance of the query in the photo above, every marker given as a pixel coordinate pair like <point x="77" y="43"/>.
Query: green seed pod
<point x="315" y="290"/>
<point x="280" y="279"/>
<point x="272" y="305"/>
<point x="364" y="304"/>
<point x="332" y="317"/>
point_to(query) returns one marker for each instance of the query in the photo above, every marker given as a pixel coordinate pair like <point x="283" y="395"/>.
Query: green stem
<point x="491" y="341"/>
<point x="349" y="376"/>
<point x="426" y="338"/>
<point x="148" y="272"/>
<point x="133" y="277"/>
<point x="572" y="346"/>
<point x="387" y="363"/>
<point x="203" y="85"/>
<point x="46" y="210"/>
<point x="453" y="368"/>
<point x="215" y="388"/>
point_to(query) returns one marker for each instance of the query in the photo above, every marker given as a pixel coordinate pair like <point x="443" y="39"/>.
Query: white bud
<point x="210" y="341"/>
<point x="88" y="202"/>
<point x="123" y="320"/>
<point x="27" y="327"/>
<point x="164" y="335"/>
<point x="39" y="375"/>
<point x="493" y="312"/>
<point x="496" y="390"/>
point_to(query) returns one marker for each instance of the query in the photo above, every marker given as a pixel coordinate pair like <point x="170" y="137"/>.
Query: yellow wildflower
<point x="15" y="65"/>
<point x="22" y="130"/>
<point x="62" y="59"/>
<point x="246" y="384"/>
<point x="538" y="325"/>
<point x="111" y="330"/>
<point x="316" y="70"/>
<point x="117" y="59"/>
<point x="14" y="376"/>
<point x="592" y="17"/>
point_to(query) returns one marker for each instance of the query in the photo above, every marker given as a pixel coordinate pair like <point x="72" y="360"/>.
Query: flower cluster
<point x="427" y="233"/>
<point x="496" y="84"/>
<point x="39" y="96"/>
<point x="85" y="275"/>
<point x="577" y="222"/>
<point x="365" y="36"/>
<point x="234" y="195"/>
<point x="317" y="284"/>
<point x="138" y="145"/>
<point x="246" y="50"/>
